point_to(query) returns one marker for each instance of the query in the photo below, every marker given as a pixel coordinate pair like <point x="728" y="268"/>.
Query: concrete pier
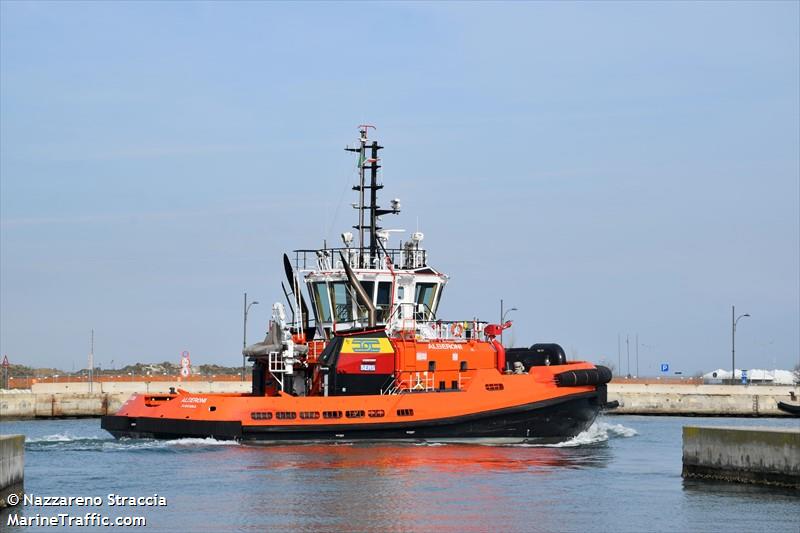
<point x="700" y="400"/>
<point x="12" y="466"/>
<point x="765" y="456"/>
<point x="54" y="400"/>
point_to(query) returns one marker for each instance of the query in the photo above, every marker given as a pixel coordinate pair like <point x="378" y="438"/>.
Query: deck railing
<point x="329" y="259"/>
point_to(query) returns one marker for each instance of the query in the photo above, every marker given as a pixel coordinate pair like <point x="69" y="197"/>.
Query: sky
<point x="611" y="170"/>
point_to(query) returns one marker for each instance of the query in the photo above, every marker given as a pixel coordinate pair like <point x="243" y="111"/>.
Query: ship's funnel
<point x="365" y="300"/>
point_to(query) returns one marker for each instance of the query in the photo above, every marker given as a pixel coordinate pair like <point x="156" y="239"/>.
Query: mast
<point x="367" y="256"/>
<point x="373" y="203"/>
<point x="361" y="151"/>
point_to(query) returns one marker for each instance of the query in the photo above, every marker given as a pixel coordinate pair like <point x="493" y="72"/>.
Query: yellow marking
<point x="367" y="345"/>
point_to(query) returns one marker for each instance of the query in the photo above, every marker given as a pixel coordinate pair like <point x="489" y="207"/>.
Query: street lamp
<point x="503" y="318"/>
<point x="643" y="345"/>
<point x="734" y="321"/>
<point x="244" y="333"/>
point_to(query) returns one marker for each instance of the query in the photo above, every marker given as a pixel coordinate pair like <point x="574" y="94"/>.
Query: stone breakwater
<point x="701" y="400"/>
<point x="761" y="455"/>
<point x="53" y="400"/>
<point x="12" y="467"/>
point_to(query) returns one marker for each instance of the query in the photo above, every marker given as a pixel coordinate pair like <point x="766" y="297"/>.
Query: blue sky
<point x="604" y="167"/>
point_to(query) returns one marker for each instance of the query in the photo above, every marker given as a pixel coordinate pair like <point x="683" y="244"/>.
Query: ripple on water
<point x="70" y="442"/>
<point x="597" y="433"/>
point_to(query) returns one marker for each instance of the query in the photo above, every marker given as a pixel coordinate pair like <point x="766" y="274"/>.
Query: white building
<point x="754" y="377"/>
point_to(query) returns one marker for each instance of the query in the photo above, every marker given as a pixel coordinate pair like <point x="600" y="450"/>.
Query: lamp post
<point x="628" y="349"/>
<point x="244" y="332"/>
<point x="646" y="346"/>
<point x="734" y="321"/>
<point x="503" y="318"/>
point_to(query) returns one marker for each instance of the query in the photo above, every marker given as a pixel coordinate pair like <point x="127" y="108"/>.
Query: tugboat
<point x="376" y="361"/>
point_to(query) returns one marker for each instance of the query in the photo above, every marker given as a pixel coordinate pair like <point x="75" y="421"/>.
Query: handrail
<point x="326" y="259"/>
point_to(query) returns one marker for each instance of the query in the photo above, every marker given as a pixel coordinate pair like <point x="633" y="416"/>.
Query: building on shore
<point x="751" y="377"/>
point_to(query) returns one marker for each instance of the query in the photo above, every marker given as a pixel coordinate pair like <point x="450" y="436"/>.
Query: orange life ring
<point x="457" y="329"/>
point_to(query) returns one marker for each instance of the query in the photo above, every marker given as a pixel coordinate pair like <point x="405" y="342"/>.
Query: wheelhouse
<point x="401" y="288"/>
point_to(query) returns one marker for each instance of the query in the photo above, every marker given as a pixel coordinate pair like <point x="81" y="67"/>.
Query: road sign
<point x="744" y="377"/>
<point x="5" y="361"/>
<point x="665" y="367"/>
<point x="185" y="372"/>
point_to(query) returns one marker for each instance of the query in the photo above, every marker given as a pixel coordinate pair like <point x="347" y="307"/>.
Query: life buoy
<point x="456" y="329"/>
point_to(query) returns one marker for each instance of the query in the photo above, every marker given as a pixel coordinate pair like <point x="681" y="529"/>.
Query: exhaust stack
<point x="360" y="292"/>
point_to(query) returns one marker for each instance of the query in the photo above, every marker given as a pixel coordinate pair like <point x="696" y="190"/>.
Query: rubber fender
<point x="579" y="378"/>
<point x="552" y="353"/>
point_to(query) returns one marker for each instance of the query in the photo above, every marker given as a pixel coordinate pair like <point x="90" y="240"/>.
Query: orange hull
<point x="491" y="405"/>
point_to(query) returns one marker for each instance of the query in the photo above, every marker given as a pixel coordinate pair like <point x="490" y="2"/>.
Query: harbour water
<point x="624" y="474"/>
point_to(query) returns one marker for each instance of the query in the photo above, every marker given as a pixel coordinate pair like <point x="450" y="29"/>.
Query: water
<point x="623" y="474"/>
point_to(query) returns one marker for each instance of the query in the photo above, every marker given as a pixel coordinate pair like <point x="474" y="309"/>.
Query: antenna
<point x="369" y="162"/>
<point x="361" y="151"/>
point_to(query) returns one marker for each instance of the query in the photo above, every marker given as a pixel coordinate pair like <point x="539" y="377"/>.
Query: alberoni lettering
<point x="192" y="399"/>
<point x="115" y="500"/>
<point x="444" y="346"/>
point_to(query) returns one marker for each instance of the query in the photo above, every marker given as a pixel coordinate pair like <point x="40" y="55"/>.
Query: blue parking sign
<point x="665" y="367"/>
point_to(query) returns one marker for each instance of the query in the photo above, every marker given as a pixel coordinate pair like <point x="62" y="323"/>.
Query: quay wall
<point x="766" y="456"/>
<point x="54" y="400"/>
<point x="46" y="400"/>
<point x="700" y="400"/>
<point x="12" y="466"/>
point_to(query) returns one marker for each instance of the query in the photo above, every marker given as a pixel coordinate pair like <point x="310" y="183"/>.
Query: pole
<point x="373" y="204"/>
<point x="501" y="320"/>
<point x="734" y="321"/>
<point x="628" y="348"/>
<point x="637" y="355"/>
<point x="244" y="336"/>
<point x="362" y="155"/>
<point x="619" y="355"/>
<point x="733" y="345"/>
<point x="91" y="363"/>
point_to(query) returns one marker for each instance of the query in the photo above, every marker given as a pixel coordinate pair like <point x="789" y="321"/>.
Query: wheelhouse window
<point x="423" y="296"/>
<point x="342" y="302"/>
<point x="369" y="288"/>
<point x="383" y="300"/>
<point x="322" y="302"/>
